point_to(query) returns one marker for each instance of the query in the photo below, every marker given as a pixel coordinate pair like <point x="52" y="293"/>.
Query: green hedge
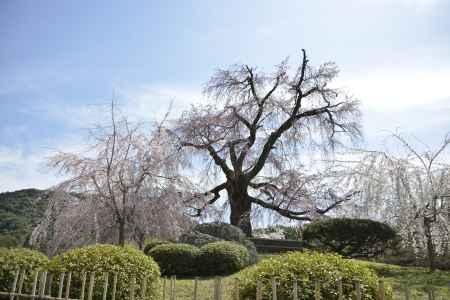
<point x="197" y="238"/>
<point x="222" y="258"/>
<point x="127" y="261"/>
<point x="351" y="237"/>
<point x="307" y="268"/>
<point x="14" y="258"/>
<point x="153" y="243"/>
<point x="202" y="234"/>
<point x="176" y="259"/>
<point x="8" y="241"/>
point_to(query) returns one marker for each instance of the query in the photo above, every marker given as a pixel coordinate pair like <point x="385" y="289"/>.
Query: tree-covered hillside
<point x="20" y="211"/>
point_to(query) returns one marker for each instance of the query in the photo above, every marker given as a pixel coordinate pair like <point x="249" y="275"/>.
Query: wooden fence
<point x="42" y="287"/>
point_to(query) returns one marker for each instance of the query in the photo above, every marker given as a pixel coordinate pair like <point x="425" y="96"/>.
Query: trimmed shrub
<point x="224" y="231"/>
<point x="253" y="254"/>
<point x="8" y="241"/>
<point x="351" y="237"/>
<point x="222" y="258"/>
<point x="308" y="268"/>
<point x="153" y="243"/>
<point x="176" y="259"/>
<point x="13" y="258"/>
<point x="127" y="261"/>
<point x="197" y="238"/>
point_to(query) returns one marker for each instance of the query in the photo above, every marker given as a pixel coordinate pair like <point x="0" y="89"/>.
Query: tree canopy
<point x="251" y="132"/>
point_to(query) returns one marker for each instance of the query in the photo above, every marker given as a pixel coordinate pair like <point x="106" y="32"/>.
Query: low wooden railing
<point x="42" y="287"/>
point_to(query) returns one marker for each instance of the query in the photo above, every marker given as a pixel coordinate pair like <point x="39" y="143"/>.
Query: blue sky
<point x="62" y="61"/>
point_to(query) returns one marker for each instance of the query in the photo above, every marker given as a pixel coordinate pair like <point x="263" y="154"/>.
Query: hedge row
<point x="12" y="259"/>
<point x="351" y="237"/>
<point x="217" y="258"/>
<point x="308" y="268"/>
<point x="128" y="262"/>
<point x="205" y="233"/>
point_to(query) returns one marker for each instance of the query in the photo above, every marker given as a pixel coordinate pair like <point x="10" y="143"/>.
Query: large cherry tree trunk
<point x="240" y="205"/>
<point x="427" y="223"/>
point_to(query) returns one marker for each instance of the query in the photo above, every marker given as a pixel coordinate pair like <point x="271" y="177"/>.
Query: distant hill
<point x="20" y="212"/>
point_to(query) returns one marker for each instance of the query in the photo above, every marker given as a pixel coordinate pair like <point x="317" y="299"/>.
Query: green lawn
<point x="185" y="288"/>
<point x="419" y="280"/>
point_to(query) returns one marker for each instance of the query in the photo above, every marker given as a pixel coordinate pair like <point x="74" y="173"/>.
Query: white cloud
<point x="20" y="170"/>
<point x="388" y="91"/>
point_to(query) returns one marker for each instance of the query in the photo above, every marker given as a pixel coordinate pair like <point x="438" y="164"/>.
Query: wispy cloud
<point x="152" y="102"/>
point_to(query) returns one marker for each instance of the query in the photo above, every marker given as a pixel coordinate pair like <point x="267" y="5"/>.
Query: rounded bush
<point x="197" y="238"/>
<point x="127" y="261"/>
<point x="222" y="258"/>
<point x="222" y="231"/>
<point x="308" y="268"/>
<point x="12" y="259"/>
<point x="176" y="259"/>
<point x="8" y="241"/>
<point x="153" y="243"/>
<point x="351" y="237"/>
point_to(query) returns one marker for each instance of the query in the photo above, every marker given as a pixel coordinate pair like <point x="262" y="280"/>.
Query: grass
<point x="418" y="279"/>
<point x="185" y="288"/>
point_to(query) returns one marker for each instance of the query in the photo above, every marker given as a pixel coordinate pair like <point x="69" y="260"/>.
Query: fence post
<point x="195" y="288"/>
<point x="219" y="284"/>
<point x="217" y="288"/>
<point x="61" y="284"/>
<point x="83" y="284"/>
<point x="258" y="290"/>
<point x="164" y="289"/>
<point x="91" y="285"/>
<point x="35" y="279"/>
<point x="358" y="290"/>
<point x="42" y="283"/>
<point x="50" y="283"/>
<point x="295" y="290"/>
<point x="105" y="285"/>
<point x="172" y="287"/>
<point x="340" y="290"/>
<point x="381" y="292"/>
<point x="317" y="295"/>
<point x="274" y="289"/>
<point x="14" y="285"/>
<point x="113" y="296"/>
<point x="236" y="289"/>
<point x="69" y="279"/>
<point x="21" y="279"/>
